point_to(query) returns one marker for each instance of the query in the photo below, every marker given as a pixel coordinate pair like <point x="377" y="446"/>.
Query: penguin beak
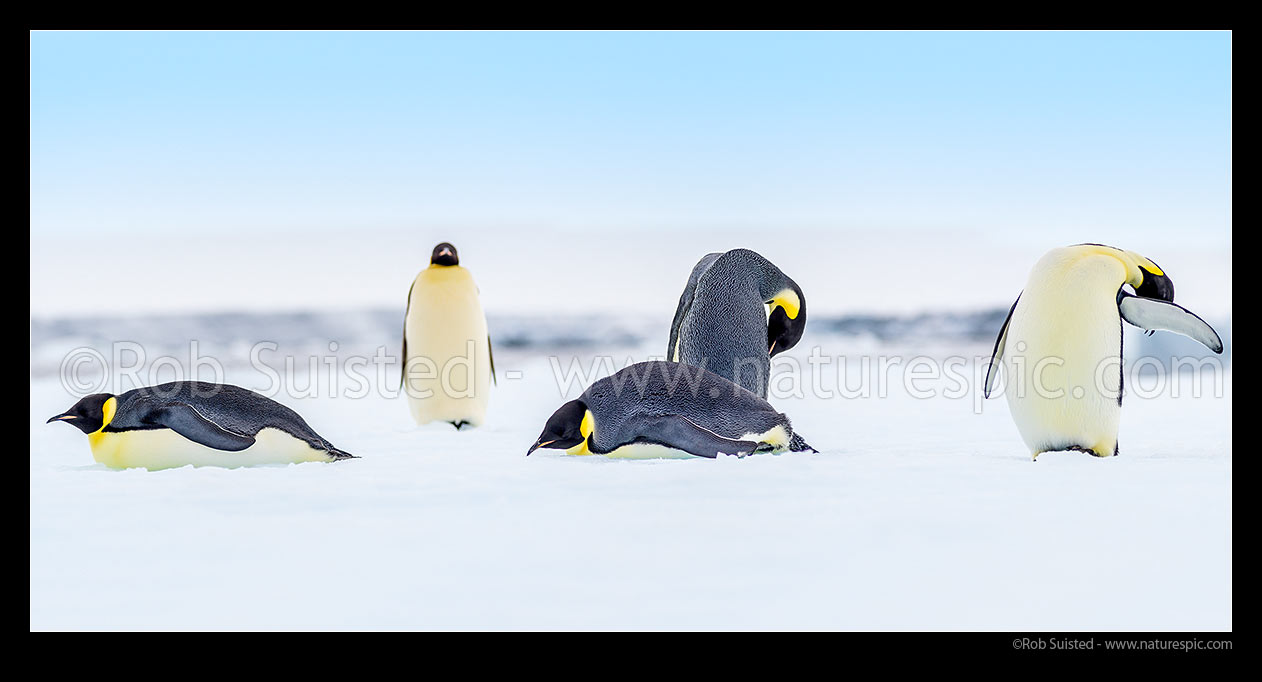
<point x="536" y="446"/>
<point x="445" y="252"/>
<point x="62" y="417"/>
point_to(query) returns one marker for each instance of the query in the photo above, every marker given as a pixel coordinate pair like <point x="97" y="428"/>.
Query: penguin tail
<point x="340" y="454"/>
<point x="797" y="444"/>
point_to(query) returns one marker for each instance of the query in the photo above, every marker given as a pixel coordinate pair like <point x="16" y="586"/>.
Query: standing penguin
<point x="667" y="409"/>
<point x="737" y="311"/>
<point x="1061" y="346"/>
<point x="447" y="363"/>
<point x="194" y="422"/>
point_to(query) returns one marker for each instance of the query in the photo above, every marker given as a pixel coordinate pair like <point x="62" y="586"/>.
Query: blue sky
<point x="1023" y="135"/>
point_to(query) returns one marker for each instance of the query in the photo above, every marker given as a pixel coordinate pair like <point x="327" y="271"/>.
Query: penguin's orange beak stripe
<point x="536" y="446"/>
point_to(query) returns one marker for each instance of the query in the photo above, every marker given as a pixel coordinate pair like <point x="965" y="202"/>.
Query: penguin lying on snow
<point x="737" y="311"/>
<point x="1063" y="335"/>
<point x="667" y="409"/>
<point x="447" y="362"/>
<point x="194" y="422"/>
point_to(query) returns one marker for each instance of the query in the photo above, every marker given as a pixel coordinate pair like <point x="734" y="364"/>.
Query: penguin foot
<point x="798" y="444"/>
<point x="459" y="424"/>
<point x="340" y="454"/>
<point x="333" y="453"/>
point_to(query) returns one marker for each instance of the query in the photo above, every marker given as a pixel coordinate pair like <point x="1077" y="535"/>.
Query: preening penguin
<point x="1061" y="346"/>
<point x="667" y="409"/>
<point x="447" y="362"/>
<point x="737" y="311"/>
<point x="195" y="422"/>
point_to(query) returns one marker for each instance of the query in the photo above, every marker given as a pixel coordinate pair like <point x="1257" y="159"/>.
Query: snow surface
<point x="916" y="514"/>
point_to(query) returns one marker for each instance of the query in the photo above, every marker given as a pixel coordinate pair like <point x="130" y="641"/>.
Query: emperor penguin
<point x="662" y="409"/>
<point x="1061" y="346"/>
<point x="447" y="362"/>
<point x="737" y="311"/>
<point x="194" y="422"/>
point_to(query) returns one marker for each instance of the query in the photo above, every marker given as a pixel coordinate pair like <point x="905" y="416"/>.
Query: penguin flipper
<point x="403" y="359"/>
<point x="675" y="431"/>
<point x="403" y="371"/>
<point x="490" y="356"/>
<point x="1152" y="313"/>
<point x="992" y="371"/>
<point x="185" y="420"/>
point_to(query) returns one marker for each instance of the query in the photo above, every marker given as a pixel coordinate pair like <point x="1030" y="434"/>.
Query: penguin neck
<point x="436" y="270"/>
<point x="1125" y="263"/>
<point x="443" y="274"/>
<point x="1073" y="268"/>
<point x="762" y="274"/>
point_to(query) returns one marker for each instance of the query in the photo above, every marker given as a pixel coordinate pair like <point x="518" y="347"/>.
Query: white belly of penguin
<point x="449" y="357"/>
<point x="165" y="449"/>
<point x="647" y="451"/>
<point x="777" y="437"/>
<point x="1062" y="371"/>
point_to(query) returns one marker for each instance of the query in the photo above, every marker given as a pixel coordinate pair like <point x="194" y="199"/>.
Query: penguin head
<point x="444" y="254"/>
<point x="88" y="415"/>
<point x="787" y="320"/>
<point x="1154" y="283"/>
<point x="564" y="429"/>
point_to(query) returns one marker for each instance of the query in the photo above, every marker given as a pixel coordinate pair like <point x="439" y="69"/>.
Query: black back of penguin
<point x="231" y="407"/>
<point x="620" y="403"/>
<point x="722" y="321"/>
<point x="685" y="301"/>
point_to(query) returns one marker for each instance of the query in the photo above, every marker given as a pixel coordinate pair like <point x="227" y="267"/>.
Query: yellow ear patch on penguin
<point x="586" y="428"/>
<point x="1153" y="269"/>
<point x="107" y="415"/>
<point x="108" y="410"/>
<point x="787" y="299"/>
